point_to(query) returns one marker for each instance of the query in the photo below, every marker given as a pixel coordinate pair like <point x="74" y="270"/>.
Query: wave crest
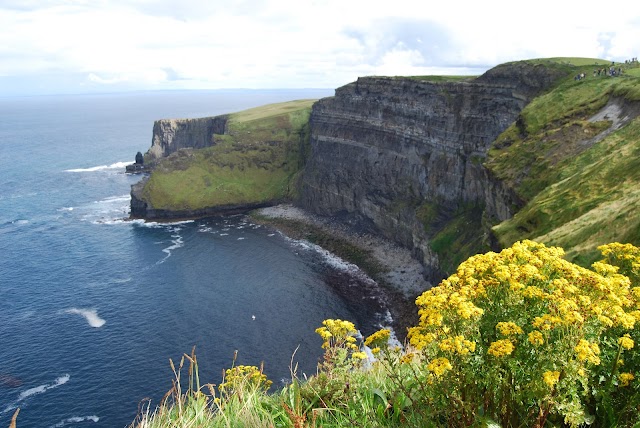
<point x="37" y="390"/>
<point x="75" y="420"/>
<point x="117" y="165"/>
<point x="91" y="315"/>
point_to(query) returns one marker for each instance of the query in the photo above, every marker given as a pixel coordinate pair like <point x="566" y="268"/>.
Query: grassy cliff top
<point x="255" y="161"/>
<point x="573" y="157"/>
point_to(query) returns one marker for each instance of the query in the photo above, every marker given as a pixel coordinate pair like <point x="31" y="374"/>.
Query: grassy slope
<point x="579" y="195"/>
<point x="256" y="161"/>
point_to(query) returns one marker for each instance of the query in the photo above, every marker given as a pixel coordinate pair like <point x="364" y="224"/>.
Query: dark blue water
<point x="93" y="307"/>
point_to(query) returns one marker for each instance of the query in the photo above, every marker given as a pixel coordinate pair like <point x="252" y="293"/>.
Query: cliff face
<point x="382" y="148"/>
<point x="171" y="135"/>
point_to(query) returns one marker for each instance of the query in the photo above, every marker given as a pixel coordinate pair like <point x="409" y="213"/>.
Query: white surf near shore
<point x="117" y="165"/>
<point x="91" y="315"/>
<point x="24" y="395"/>
<point x="75" y="420"/>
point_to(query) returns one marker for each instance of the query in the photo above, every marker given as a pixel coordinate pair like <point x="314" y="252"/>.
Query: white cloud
<point x="287" y="43"/>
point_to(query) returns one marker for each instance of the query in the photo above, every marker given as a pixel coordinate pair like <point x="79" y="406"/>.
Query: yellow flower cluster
<point x="379" y="338"/>
<point x="588" y="351"/>
<point x="457" y="344"/>
<point x="338" y="333"/>
<point x="551" y="378"/>
<point x="626" y="342"/>
<point x="359" y="355"/>
<point x="238" y="376"/>
<point x="529" y="299"/>
<point x="439" y="366"/>
<point x="536" y="338"/>
<point x="508" y="328"/>
<point x="420" y="339"/>
<point x="626" y="256"/>
<point x="625" y="378"/>
<point x="501" y="348"/>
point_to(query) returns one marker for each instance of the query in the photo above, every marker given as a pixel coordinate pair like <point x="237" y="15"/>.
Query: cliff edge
<point x="403" y="157"/>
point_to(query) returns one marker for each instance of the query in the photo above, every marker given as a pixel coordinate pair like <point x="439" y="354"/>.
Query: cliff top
<point x="572" y="157"/>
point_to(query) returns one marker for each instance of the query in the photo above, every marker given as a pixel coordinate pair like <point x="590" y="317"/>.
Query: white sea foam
<point x="75" y="420"/>
<point x="121" y="198"/>
<point x="156" y="225"/>
<point x="36" y="390"/>
<point x="240" y="239"/>
<point x="117" y="165"/>
<point x="176" y="242"/>
<point x="271" y="234"/>
<point x="224" y="234"/>
<point x="91" y="315"/>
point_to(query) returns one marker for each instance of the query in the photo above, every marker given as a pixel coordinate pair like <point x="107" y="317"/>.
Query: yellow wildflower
<point x="501" y="348"/>
<point x="536" y="338"/>
<point x="418" y="339"/>
<point x="380" y="337"/>
<point x="625" y="378"/>
<point x="546" y="322"/>
<point x="509" y="328"/>
<point x="359" y="356"/>
<point x="439" y="366"/>
<point x="626" y="342"/>
<point x="407" y="358"/>
<point x="457" y="344"/>
<point x="241" y="375"/>
<point x="588" y="351"/>
<point x="551" y="378"/>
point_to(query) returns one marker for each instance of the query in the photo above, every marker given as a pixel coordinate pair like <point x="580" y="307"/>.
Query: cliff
<point x="403" y="156"/>
<point x="223" y="164"/>
<point x="445" y="166"/>
<point x="171" y="135"/>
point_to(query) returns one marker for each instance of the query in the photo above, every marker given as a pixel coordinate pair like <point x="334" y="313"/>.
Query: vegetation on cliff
<point x="516" y="338"/>
<point x="256" y="160"/>
<point x="573" y="157"/>
<point x="523" y="337"/>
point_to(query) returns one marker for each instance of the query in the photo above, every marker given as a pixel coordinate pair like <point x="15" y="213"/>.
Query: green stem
<point x="615" y="367"/>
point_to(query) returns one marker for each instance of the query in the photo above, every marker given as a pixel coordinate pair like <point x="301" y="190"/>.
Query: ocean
<point x="93" y="306"/>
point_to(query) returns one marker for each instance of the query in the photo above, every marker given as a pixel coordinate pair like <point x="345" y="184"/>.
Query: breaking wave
<point x="36" y="391"/>
<point x="117" y="165"/>
<point x="91" y="315"/>
<point x="75" y="420"/>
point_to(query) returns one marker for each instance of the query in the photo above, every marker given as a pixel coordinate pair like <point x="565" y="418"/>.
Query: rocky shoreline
<point x="399" y="275"/>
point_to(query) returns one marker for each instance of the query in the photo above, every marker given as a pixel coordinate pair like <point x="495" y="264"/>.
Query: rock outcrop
<point x="383" y="147"/>
<point x="171" y="135"/>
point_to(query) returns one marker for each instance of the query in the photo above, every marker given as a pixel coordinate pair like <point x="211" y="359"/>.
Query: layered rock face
<point x="171" y="135"/>
<point x="381" y="147"/>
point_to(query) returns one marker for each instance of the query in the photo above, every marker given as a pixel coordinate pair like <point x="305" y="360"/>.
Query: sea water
<point x="93" y="306"/>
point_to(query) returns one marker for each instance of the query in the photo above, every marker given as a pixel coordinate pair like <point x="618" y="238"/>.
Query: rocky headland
<point x="418" y="171"/>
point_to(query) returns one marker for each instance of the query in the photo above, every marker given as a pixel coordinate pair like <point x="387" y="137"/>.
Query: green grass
<point x="577" y="195"/>
<point x="256" y="161"/>
<point x="456" y="239"/>
<point x="575" y="61"/>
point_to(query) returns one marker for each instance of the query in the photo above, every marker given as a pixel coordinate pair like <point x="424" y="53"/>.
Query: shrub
<point x="524" y="335"/>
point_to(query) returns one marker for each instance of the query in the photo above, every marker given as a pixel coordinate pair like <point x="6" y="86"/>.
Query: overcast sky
<point x="58" y="46"/>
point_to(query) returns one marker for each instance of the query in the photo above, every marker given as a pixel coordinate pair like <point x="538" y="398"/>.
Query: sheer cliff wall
<point x="382" y="148"/>
<point x="171" y="135"/>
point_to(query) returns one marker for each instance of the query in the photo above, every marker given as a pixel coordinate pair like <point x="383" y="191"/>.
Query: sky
<point x="79" y="46"/>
